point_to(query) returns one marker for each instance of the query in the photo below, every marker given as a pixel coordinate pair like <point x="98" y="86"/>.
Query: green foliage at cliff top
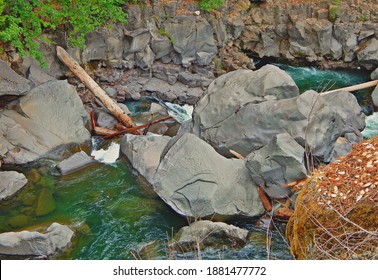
<point x="23" y="21"/>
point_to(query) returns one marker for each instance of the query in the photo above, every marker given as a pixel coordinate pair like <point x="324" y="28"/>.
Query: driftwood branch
<point x="353" y="88"/>
<point x="102" y="131"/>
<point x="136" y="128"/>
<point x="237" y="155"/>
<point x="264" y="199"/>
<point x="94" y="87"/>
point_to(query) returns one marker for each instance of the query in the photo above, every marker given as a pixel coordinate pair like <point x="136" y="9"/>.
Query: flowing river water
<point x="117" y="216"/>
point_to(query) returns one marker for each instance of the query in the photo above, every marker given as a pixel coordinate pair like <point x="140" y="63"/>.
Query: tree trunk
<point x="94" y="87"/>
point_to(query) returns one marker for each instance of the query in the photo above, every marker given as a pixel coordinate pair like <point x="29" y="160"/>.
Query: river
<point x="116" y="214"/>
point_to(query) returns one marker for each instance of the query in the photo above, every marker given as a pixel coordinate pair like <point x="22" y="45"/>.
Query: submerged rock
<point x="203" y="234"/>
<point x="197" y="182"/>
<point x="10" y="183"/>
<point x="32" y="243"/>
<point x="46" y="202"/>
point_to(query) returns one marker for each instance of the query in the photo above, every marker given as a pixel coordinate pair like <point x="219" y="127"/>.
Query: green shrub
<point x="208" y="5"/>
<point x="23" y="21"/>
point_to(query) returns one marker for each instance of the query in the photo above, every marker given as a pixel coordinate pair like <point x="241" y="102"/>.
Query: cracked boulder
<point x="143" y="152"/>
<point x="50" y="115"/>
<point x="244" y="114"/>
<point x="197" y="182"/>
<point x="278" y="163"/>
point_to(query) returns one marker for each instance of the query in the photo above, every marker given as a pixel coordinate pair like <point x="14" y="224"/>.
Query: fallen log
<point x="94" y="87"/>
<point x="264" y="199"/>
<point x="353" y="88"/>
<point x="136" y="128"/>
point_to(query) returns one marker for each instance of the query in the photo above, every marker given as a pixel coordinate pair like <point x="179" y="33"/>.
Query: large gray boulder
<point x="192" y="39"/>
<point x="144" y="152"/>
<point x="33" y="243"/>
<point x="230" y="92"/>
<point x="227" y="121"/>
<point x="202" y="234"/>
<point x="11" y="83"/>
<point x="50" y="115"/>
<point x="197" y="182"/>
<point x="374" y="96"/>
<point x="10" y="183"/>
<point x="280" y="162"/>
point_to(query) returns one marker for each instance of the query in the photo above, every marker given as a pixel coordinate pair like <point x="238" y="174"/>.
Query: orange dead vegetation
<point x="351" y="179"/>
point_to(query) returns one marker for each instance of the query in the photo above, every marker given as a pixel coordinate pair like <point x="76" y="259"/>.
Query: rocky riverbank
<point x="183" y="58"/>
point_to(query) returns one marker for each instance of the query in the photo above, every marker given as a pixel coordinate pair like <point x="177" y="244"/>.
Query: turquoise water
<point x="308" y="78"/>
<point x="115" y="215"/>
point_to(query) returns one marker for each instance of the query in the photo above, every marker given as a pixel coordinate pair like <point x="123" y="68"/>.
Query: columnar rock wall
<point x="345" y="30"/>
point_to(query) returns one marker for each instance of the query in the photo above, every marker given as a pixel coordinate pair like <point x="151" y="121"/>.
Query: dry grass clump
<point x="336" y="214"/>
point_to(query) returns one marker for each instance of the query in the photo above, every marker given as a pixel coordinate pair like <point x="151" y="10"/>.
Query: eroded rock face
<point x="33" y="243"/>
<point x="209" y="234"/>
<point x="10" y="183"/>
<point x="50" y="115"/>
<point x="197" y="182"/>
<point x="192" y="39"/>
<point x="314" y="31"/>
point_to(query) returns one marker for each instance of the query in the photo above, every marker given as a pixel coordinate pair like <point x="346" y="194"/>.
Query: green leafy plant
<point x="165" y="33"/>
<point x="334" y="10"/>
<point x="23" y="22"/>
<point x="362" y="18"/>
<point x="208" y="5"/>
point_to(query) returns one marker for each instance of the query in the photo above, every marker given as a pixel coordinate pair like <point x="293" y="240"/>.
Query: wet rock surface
<point x="33" y="243"/>
<point x="10" y="183"/>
